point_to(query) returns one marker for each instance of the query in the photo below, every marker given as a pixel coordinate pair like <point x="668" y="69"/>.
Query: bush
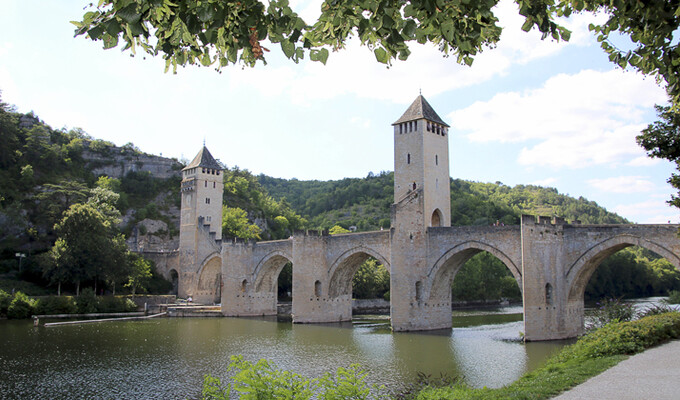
<point x="110" y="304"/>
<point x="21" y="307"/>
<point x="611" y="310"/>
<point x="5" y="300"/>
<point x="87" y="302"/>
<point x="56" y="305"/>
<point x="261" y="380"/>
<point x="627" y="337"/>
<point x="674" y="297"/>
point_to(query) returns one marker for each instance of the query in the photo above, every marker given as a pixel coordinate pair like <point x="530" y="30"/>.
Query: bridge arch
<point x="580" y="272"/>
<point x="441" y="274"/>
<point x="343" y="269"/>
<point x="209" y="287"/>
<point x="268" y="269"/>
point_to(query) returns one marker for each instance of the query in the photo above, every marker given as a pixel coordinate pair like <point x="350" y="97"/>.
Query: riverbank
<point x="590" y="356"/>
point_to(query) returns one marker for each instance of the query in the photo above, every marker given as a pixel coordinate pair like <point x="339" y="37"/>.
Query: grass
<point x="591" y="355"/>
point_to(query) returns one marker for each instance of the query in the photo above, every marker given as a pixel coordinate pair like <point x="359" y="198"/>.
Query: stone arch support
<point x="345" y="266"/>
<point x="579" y="272"/>
<point x="268" y="269"/>
<point x="442" y="272"/>
<point x="209" y="286"/>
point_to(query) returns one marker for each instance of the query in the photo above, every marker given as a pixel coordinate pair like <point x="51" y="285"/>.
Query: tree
<point x="235" y="224"/>
<point x="139" y="272"/>
<point x="337" y="229"/>
<point x="88" y="246"/>
<point x="661" y="139"/>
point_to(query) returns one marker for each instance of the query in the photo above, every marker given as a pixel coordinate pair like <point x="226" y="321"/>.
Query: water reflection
<point x="167" y="358"/>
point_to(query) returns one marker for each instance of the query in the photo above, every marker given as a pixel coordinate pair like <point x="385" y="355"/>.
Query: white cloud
<point x="649" y="212"/>
<point x="354" y="70"/>
<point x="547" y="182"/>
<point x="572" y="121"/>
<point x="643" y="161"/>
<point x="623" y="184"/>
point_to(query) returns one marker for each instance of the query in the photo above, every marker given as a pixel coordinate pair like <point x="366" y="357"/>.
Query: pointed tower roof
<point x="419" y="109"/>
<point x="205" y="160"/>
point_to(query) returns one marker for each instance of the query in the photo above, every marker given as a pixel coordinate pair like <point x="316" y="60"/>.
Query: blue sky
<point x="526" y="112"/>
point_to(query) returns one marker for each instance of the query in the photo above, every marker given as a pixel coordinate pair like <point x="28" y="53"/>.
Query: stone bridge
<point x="551" y="261"/>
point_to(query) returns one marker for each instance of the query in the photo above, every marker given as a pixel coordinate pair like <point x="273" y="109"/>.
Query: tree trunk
<point x="59" y="289"/>
<point x="78" y="288"/>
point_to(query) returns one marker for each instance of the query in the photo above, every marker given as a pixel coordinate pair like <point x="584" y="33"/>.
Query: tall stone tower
<point x="421" y="161"/>
<point x="422" y="200"/>
<point x="201" y="218"/>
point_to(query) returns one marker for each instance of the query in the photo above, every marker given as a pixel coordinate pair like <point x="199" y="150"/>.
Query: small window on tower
<point x="207" y="200"/>
<point x="415" y="125"/>
<point x="214" y="185"/>
<point x="205" y="183"/>
<point x="203" y="170"/>
<point x="436" y="159"/>
<point x="408" y="158"/>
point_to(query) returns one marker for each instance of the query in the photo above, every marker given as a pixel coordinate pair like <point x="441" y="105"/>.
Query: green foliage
<point x="674" y="297"/>
<point x="484" y="277"/>
<point x="592" y="354"/>
<point x="5" y="301"/>
<point x="56" y="305"/>
<point x="633" y="272"/>
<point x="235" y="224"/>
<point x="243" y="190"/>
<point x="661" y="139"/>
<point x="337" y="229"/>
<point x="611" y="310"/>
<point x="21" y="306"/>
<point x="261" y="380"/>
<point x="87" y="302"/>
<point x="115" y="304"/>
<point x="139" y="273"/>
<point x="371" y="281"/>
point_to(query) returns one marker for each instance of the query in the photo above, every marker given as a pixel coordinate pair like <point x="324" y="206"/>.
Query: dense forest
<point x="48" y="181"/>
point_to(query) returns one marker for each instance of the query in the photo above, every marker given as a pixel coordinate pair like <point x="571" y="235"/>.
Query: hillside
<point x="365" y="202"/>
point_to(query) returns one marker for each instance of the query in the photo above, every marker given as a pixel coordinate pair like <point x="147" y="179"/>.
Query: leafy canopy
<point x="219" y="33"/>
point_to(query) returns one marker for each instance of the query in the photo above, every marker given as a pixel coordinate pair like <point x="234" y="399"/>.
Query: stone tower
<point x="200" y="230"/>
<point x="422" y="200"/>
<point x="421" y="161"/>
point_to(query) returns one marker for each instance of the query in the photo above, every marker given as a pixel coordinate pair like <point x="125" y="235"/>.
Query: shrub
<point x="110" y="304"/>
<point x="261" y="380"/>
<point x="5" y="300"/>
<point x="56" y="305"/>
<point x="21" y="307"/>
<point x="674" y="297"/>
<point x="611" y="310"/>
<point x="86" y="302"/>
<point x="627" y="337"/>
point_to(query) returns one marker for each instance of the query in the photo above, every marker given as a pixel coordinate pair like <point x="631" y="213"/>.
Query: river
<point x="167" y="358"/>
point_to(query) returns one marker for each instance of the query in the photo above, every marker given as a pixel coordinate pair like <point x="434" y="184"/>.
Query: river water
<point x="167" y="358"/>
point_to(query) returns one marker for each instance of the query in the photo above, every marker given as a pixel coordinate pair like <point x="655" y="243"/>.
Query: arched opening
<point x="317" y="288"/>
<point x="274" y="281"/>
<point x="436" y="218"/>
<point x="209" y="288"/>
<point x="622" y="269"/>
<point x="471" y="278"/>
<point x="362" y="276"/>
<point x="174" y="278"/>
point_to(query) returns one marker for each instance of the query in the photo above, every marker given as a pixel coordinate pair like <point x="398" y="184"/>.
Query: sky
<point x="554" y="114"/>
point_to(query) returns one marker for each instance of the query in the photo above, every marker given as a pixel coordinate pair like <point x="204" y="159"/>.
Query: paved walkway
<point x="652" y="374"/>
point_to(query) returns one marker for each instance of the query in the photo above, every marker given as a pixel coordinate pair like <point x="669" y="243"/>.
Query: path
<point x="652" y="374"/>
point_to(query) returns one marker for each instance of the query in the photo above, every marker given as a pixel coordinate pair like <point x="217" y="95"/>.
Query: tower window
<point x="207" y="200"/>
<point x="401" y="128"/>
<point x="436" y="159"/>
<point x="214" y="185"/>
<point x="203" y="170"/>
<point x="205" y="183"/>
<point x="408" y="158"/>
<point x="415" y="125"/>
